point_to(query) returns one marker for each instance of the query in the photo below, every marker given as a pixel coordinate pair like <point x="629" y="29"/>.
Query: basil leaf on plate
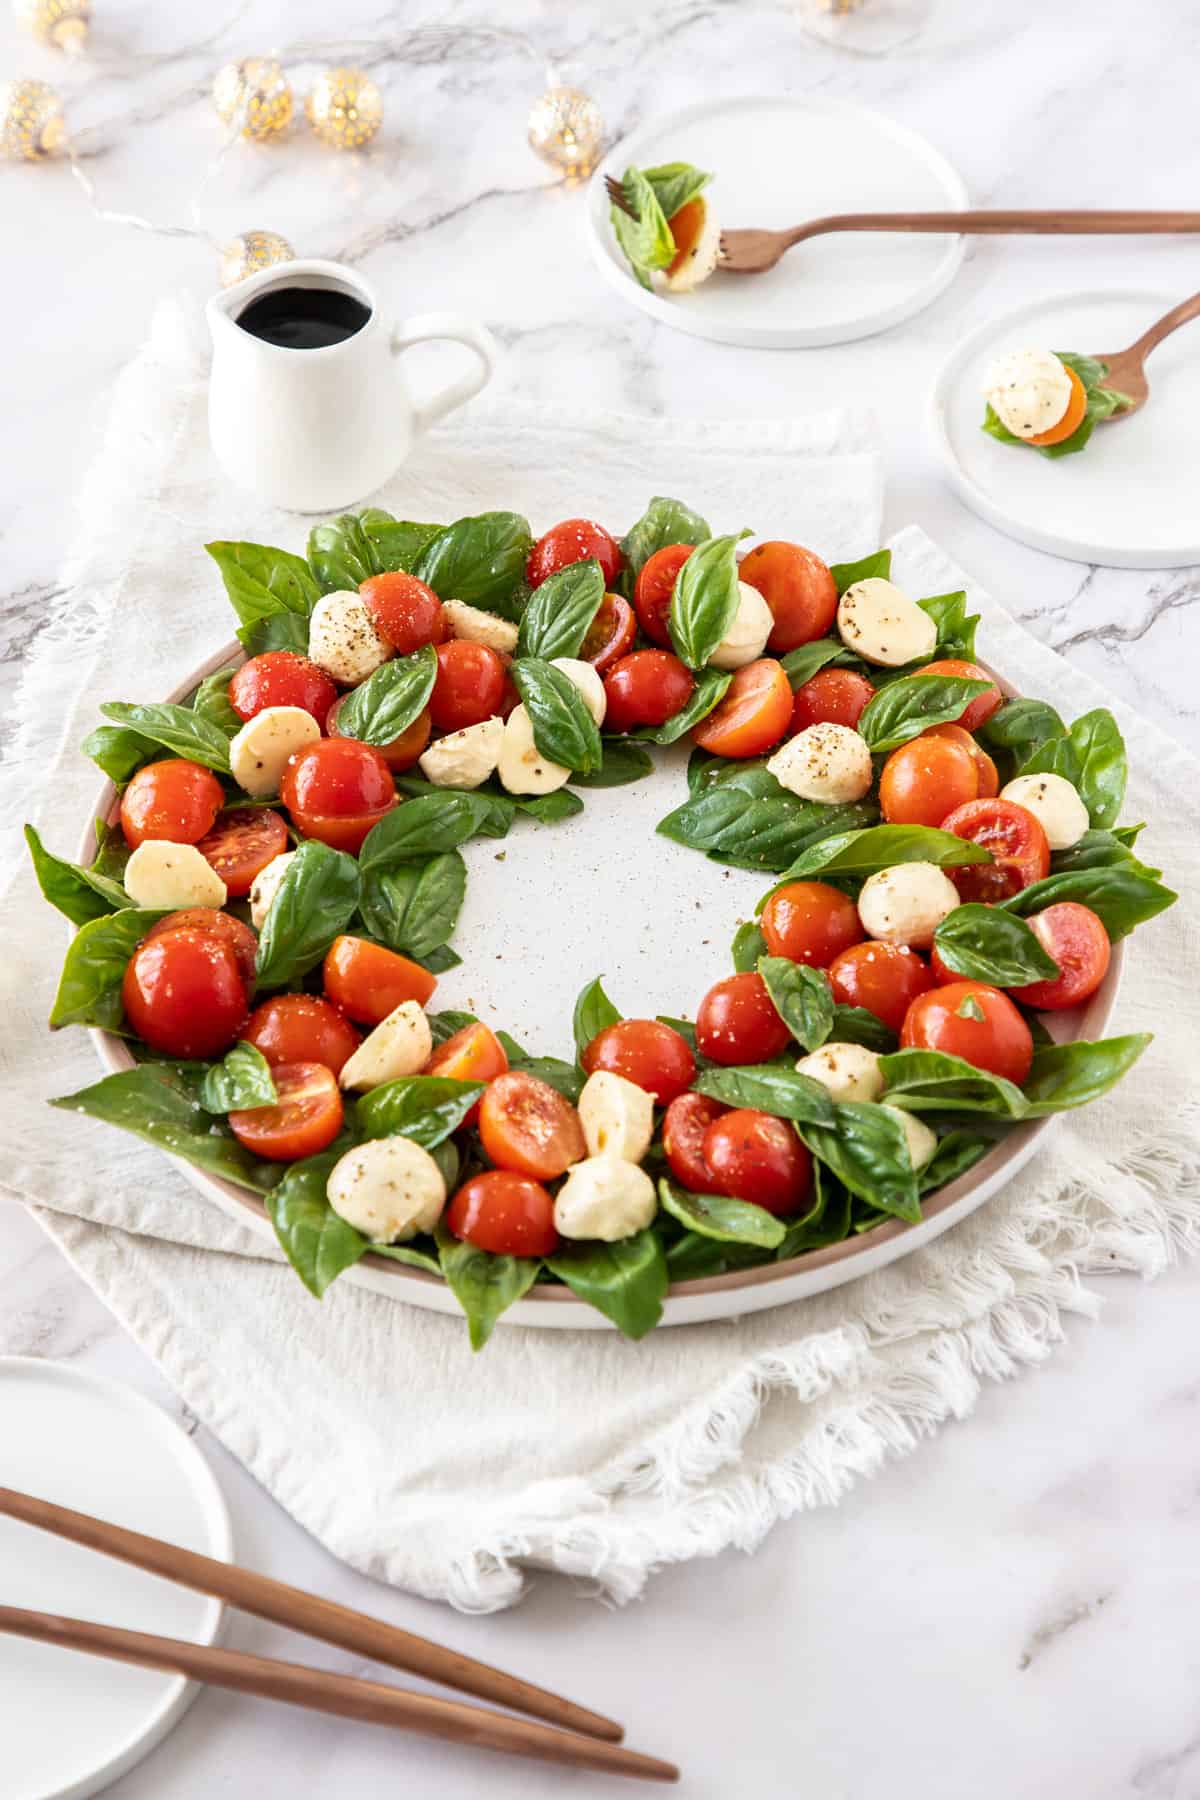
<point x="154" y="1102"/>
<point x="80" y="894"/>
<point x="957" y="1152"/>
<point x="1067" y="1075"/>
<point x="394" y="543"/>
<point x="549" y="809"/>
<point x="480" y="560"/>
<point x="866" y="1148"/>
<point x="905" y="708"/>
<point x="388" y="701"/>
<point x="704" y="599"/>
<point x="413" y="907"/>
<point x="719" y="1216"/>
<point x="955" y="628"/>
<point x="340" y="555"/>
<point x="593" y="1012"/>
<point x="621" y="763"/>
<point x="1092" y="757"/>
<point x="316" y="900"/>
<point x="807" y="660"/>
<point x="709" y="691"/>
<point x="1100" y="850"/>
<point x="281" y="631"/>
<point x="692" y="1257"/>
<point x="241" y="1080"/>
<point x="675" y="184"/>
<point x="443" y="1025"/>
<point x="261" y="580"/>
<point x="439" y="959"/>
<point x="664" y="522"/>
<point x="118" y="753"/>
<point x="802" y="998"/>
<point x="876" y="567"/>
<point x="565" y="1078"/>
<point x="424" y="1108"/>
<point x="563" y="728"/>
<point x="827" y="1220"/>
<point x="484" y="1285"/>
<point x="409" y="1254"/>
<point x="177" y="729"/>
<point x="931" y="1081"/>
<point x="774" y="1088"/>
<point x="748" y="945"/>
<point x="561" y="610"/>
<point x="856" y="1025"/>
<point x="89" y="988"/>
<point x="640" y="227"/>
<point x="1120" y="896"/>
<point x="985" y="943"/>
<point x="211" y="700"/>
<point x="768" y="832"/>
<point x="429" y="826"/>
<point x="866" y="852"/>
<point x="626" y="1281"/>
<point x="1020" y="726"/>
<point x="317" y="1242"/>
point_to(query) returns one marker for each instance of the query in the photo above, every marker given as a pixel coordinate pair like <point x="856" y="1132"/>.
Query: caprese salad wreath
<point x="274" y="893"/>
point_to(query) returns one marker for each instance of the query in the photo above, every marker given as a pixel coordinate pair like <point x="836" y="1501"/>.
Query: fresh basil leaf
<point x="905" y="708"/>
<point x="1100" y="850"/>
<point x="807" y="660"/>
<point x="957" y="1152"/>
<point x="955" y="629"/>
<point x="549" y="809"/>
<point x="565" y="1078"/>
<point x="119" y="754"/>
<point x="1020" y="726"/>
<point x="394" y="543"/>
<point x="563" y="728"/>
<point x="1103" y="766"/>
<point x="866" y="852"/>
<point x="719" y="1216"/>
<point x="409" y="1254"/>
<point x="1067" y="1075"/>
<point x="640" y="227"/>
<point x="594" y="1011"/>
<point x="985" y="943"/>
<point x="866" y="1148"/>
<point x="316" y="900"/>
<point x="386" y="703"/>
<point x="413" y="907"/>
<point x="704" y="599"/>
<point x="261" y="580"/>
<point x="431" y="825"/>
<point x="80" y="894"/>
<point x="768" y="1087"/>
<point x="211" y="700"/>
<point x="340" y="555"/>
<point x="561" y="610"/>
<point x="692" y="1258"/>
<point x="675" y="184"/>
<point x="318" y="1243"/>
<point x="112" y="852"/>
<point x="89" y="988"/>
<point x="424" y="1108"/>
<point x="826" y="1222"/>
<point x="177" y="729"/>
<point x="484" y="1285"/>
<point x="626" y="1281"/>
<point x="449" y="1162"/>
<point x="664" y="522"/>
<point x="802" y="998"/>
<point x="769" y="832"/>
<point x="242" y="1080"/>
<point x="157" y="1104"/>
<point x="1121" y="897"/>
<point x="439" y="959"/>
<point x="280" y="631"/>
<point x="876" y="567"/>
<point x="855" y="1025"/>
<point x="480" y="560"/>
<point x="709" y="690"/>
<point x="931" y="1081"/>
<point x="969" y="1008"/>
<point x="443" y="1025"/>
<point x="748" y="945"/>
<point x="621" y="763"/>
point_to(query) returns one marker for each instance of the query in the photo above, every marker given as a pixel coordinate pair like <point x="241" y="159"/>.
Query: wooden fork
<point x="1127" y="368"/>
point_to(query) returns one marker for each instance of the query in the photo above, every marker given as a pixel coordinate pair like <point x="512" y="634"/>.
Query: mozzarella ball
<point x="1029" y="391"/>
<point x="849" y="1071"/>
<point x="826" y="762"/>
<point x="265" y="887"/>
<point x="342" y="638"/>
<point x="522" y="767"/>
<point x="173" y="876"/>
<point x="464" y="759"/>
<point x="750" y="627"/>
<point x="479" y="627"/>
<point x="696" y="263"/>
<point x="881" y="624"/>
<point x="259" y="752"/>
<point x="586" y="682"/>
<point x="388" y="1188"/>
<point x="1054" y="803"/>
<point x="400" y="1045"/>
<point x="617" y="1116"/>
<point x="921" y="1141"/>
<point x="906" y="903"/>
<point x="604" y="1197"/>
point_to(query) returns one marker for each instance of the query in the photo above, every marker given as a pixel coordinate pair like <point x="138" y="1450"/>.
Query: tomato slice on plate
<point x="981" y="709"/>
<point x="506" y="1213"/>
<point x="368" y="981"/>
<point x="293" y="1028"/>
<point x="306" y="1118"/>
<point x="1019" y="847"/>
<point x="831" y="697"/>
<point x="687" y="1119"/>
<point x="402" y="752"/>
<point x="473" y="1054"/>
<point x="406" y="612"/>
<point x="754" y="714"/>
<point x="206" y="919"/>
<point x="610" y="634"/>
<point x="175" y="800"/>
<point x="757" y="1157"/>
<point x="985" y="768"/>
<point x="241" y="844"/>
<point x="653" y="589"/>
<point x="645" y="1051"/>
<point x="337" y="790"/>
<point x="1076" y="939"/>
<point x="528" y="1127"/>
<point x="572" y="541"/>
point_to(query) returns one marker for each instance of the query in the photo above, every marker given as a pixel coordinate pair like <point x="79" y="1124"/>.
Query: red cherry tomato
<point x="184" y="993"/>
<point x="925" y="779"/>
<point x="174" y="800"/>
<point x="402" y="752"/>
<point x="368" y="982"/>
<point x="575" y="540"/>
<point x="528" y="1127"/>
<point x="220" y="925"/>
<point x="610" y="635"/>
<point x="337" y="790"/>
<point x="646" y="688"/>
<point x="754" y="714"/>
<point x="810" y="922"/>
<point x="472" y="1054"/>
<point x="756" y="1157"/>
<point x="650" y="1054"/>
<point x="508" y="1214"/>
<point x="687" y="1119"/>
<point x="1078" y="942"/>
<point x="737" y="1022"/>
<point x="885" y="979"/>
<point x="301" y="1028"/>
<point x="831" y="697"/>
<point x="1019" y="847"/>
<point x="306" y="1118"/>
<point x="798" y="588"/>
<point x="974" y="1021"/>
<point x="985" y="768"/>
<point x="653" y="589"/>
<point x="470" y="683"/>
<point x="242" y="843"/>
<point x="981" y="709"/>
<point x="281" y="678"/>
<point x="405" y="612"/>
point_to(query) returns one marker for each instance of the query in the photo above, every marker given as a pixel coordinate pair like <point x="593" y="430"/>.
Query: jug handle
<point x="460" y="330"/>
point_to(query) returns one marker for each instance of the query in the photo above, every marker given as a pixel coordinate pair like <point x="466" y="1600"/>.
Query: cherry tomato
<point x="737" y="1022"/>
<point x="470" y="683"/>
<point x="220" y="925"/>
<point x="368" y="982"/>
<point x="1078" y="942"/>
<point x="653" y="589"/>
<point x="798" y="588"/>
<point x="472" y="1054"/>
<point x="985" y="768"/>
<point x="406" y="612"/>
<point x="980" y="710"/>
<point x="754" y="714"/>
<point x="645" y="688"/>
<point x="925" y="779"/>
<point x="281" y="678"/>
<point x="974" y="1021"/>
<point x="650" y="1054"/>
<point x="756" y="1157"/>
<point x="336" y="790"/>
<point x="511" y="696"/>
<point x="402" y="752"/>
<point x="831" y="697"/>
<point x="508" y="1214"/>
<point x="173" y="800"/>
<point x="883" y="978"/>
<point x="184" y="993"/>
<point x="1071" y="420"/>
<point x="610" y="634"/>
<point x="1019" y="847"/>
<point x="528" y="1127"/>
<point x="687" y="1119"/>
<point x="810" y="922"/>
<point x="301" y="1028"/>
<point x="685" y="226"/>
<point x="306" y="1118"/>
<point x="575" y="540"/>
<point x="242" y="843"/>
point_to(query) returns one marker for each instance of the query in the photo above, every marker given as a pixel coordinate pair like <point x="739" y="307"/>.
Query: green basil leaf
<point x="855" y="1025"/>
<point x="626" y="1281"/>
<point x="640" y="227"/>
<point x="408" y="1253"/>
<point x="866" y="1148"/>
<point x="704" y="599"/>
<point x="931" y="1081"/>
<point x="413" y="907"/>
<point x="89" y="988"/>
<point x="719" y="1216"/>
<point x="1067" y="1075"/>
<point x="826" y="1222"/>
<point x="280" y="631"/>
<point x="443" y="1025"/>
<point x="425" y="1108"/>
<point x="985" y="943"/>
<point x="431" y="825"/>
<point x="621" y="763"/>
<point x="563" y="728"/>
<point x="956" y="630"/>
<point x="561" y="610"/>
<point x="748" y="945"/>
<point x="768" y="1087"/>
<point x="593" y="1012"/>
<point x="549" y="809"/>
<point x="1100" y="850"/>
<point x="242" y="1080"/>
<point x="80" y="894"/>
<point x="675" y="184"/>
<point x="1121" y="897"/>
<point x="876" y="567"/>
<point x="866" y="852"/>
<point x="709" y="690"/>
<point x="112" y="852"/>
<point x="565" y="1078"/>
<point x="969" y="1008"/>
<point x="261" y="580"/>
<point x="394" y="543"/>
<point x="692" y="1258"/>
<point x="340" y="555"/>
<point x="1020" y="726"/>
<point x="317" y="1242"/>
<point x="769" y="832"/>
<point x="211" y="700"/>
<point x="1103" y="766"/>
<point x="664" y="522"/>
<point x="802" y="998"/>
<point x="484" y="1285"/>
<point x="957" y="1152"/>
<point x="480" y="560"/>
<point x="177" y="729"/>
<point x="316" y="900"/>
<point x="119" y="754"/>
<point x="905" y="708"/>
<point x="439" y="959"/>
<point x="807" y="660"/>
<point x="387" y="702"/>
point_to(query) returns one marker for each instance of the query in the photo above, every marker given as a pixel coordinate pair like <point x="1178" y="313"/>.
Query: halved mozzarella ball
<point x="464" y="759"/>
<point x="1055" y="804"/>
<point x="906" y="903"/>
<point x="849" y="1071"/>
<point x="259" y="752"/>
<point x="617" y="1116"/>
<point x="265" y="887"/>
<point x="586" y="682"/>
<point x="921" y="1141"/>
<point x="342" y="638"/>
<point x="400" y="1045"/>
<point x="827" y="762"/>
<point x="751" y="626"/>
<point x="522" y="767"/>
<point x="604" y="1197"/>
<point x="479" y="627"/>
<point x="881" y="624"/>
<point x="174" y="876"/>
<point x="388" y="1188"/>
<point x="1029" y="391"/>
<point x="696" y="260"/>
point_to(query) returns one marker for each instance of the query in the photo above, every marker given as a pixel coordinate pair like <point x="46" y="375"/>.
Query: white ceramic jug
<point x="315" y="430"/>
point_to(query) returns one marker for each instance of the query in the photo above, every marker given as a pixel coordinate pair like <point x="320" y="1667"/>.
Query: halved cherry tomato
<point x="737" y="1022"/>
<point x="974" y="1021"/>
<point x="469" y="685"/>
<point x="506" y="1213"/>
<point x="645" y="1051"/>
<point x="981" y="709"/>
<point x="1071" y="420"/>
<point x="472" y="1054"/>
<point x="1078" y="942"/>
<point x="281" y="678"/>
<point x="301" y="1028"/>
<point x="831" y="697"/>
<point x="810" y="922"/>
<point x="925" y="779"/>
<point x="337" y="790"/>
<point x="759" y="1158"/>
<point x="242" y="843"/>
<point x="687" y="1119"/>
<point x="527" y="1126"/>
<point x="184" y="993"/>
<point x="173" y="800"/>
<point x="406" y="612"/>
<point x="306" y="1118"/>
<point x="220" y="925"/>
<point x="645" y="688"/>
<point x="610" y="634"/>
<point x="685" y="226"/>
<point x="367" y="982"/>
<point x="798" y="588"/>
<point x="885" y="979"/>
<point x="1019" y="847"/>
<point x="985" y="768"/>
<point x="754" y="714"/>
<point x="653" y="589"/>
<point x="574" y="540"/>
<point x="402" y="752"/>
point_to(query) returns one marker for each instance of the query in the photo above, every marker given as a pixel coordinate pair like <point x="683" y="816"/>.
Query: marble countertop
<point x="1013" y="1610"/>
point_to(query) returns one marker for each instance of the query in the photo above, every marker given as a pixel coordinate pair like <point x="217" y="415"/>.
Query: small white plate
<point x="1128" y="500"/>
<point x="776" y="163"/>
<point x="73" y="1723"/>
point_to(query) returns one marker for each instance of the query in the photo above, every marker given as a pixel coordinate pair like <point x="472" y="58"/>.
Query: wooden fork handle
<point x="1183" y="314"/>
<point x="1056" y="223"/>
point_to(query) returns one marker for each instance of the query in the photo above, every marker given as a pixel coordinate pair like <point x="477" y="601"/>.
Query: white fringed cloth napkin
<point x="370" y="1421"/>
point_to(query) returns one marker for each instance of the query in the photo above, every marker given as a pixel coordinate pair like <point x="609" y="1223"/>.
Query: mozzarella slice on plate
<point x="587" y="683"/>
<point x="173" y="876"/>
<point x="1055" y="804"/>
<point x="604" y="1197"/>
<point x="259" y="752"/>
<point x="906" y="903"/>
<point x="696" y="261"/>
<point x="522" y="767"/>
<point x="400" y="1045"/>
<point x="879" y="622"/>
<point x="749" y="629"/>
<point x="479" y="627"/>
<point x="389" y="1189"/>
<point x="617" y="1116"/>
<point x="848" y="1071"/>
<point x="1029" y="391"/>
<point x="464" y="759"/>
<point x="827" y="762"/>
<point x="921" y="1141"/>
<point x="266" y="886"/>
<point x="342" y="638"/>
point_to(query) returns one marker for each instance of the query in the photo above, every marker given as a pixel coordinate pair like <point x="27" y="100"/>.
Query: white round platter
<point x="777" y="162"/>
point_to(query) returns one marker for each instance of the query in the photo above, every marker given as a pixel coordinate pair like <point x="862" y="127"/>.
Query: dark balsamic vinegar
<point x="304" y="318"/>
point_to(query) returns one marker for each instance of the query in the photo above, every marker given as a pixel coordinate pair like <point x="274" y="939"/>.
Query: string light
<point x="62" y="24"/>
<point x="32" y="126"/>
<point x="254" y="94"/>
<point x="566" y="130"/>
<point x="253" y="251"/>
<point x="344" y="108"/>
